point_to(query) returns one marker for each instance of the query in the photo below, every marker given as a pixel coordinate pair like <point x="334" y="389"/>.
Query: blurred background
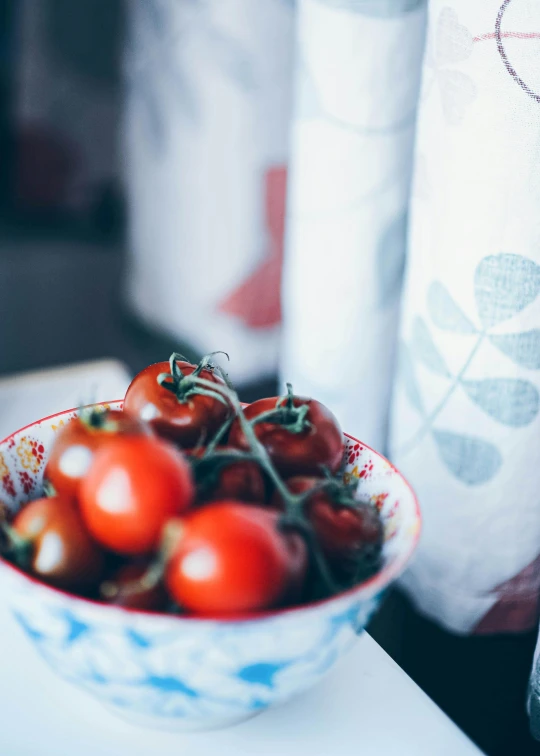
<point x="111" y="245"/>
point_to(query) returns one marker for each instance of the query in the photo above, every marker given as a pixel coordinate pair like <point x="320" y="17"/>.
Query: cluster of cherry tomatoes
<point x="185" y="501"/>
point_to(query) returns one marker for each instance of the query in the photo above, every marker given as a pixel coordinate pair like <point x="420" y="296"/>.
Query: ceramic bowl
<point x="184" y="672"/>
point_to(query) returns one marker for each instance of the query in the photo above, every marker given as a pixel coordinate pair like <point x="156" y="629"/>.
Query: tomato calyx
<point x="292" y="418"/>
<point x="96" y="418"/>
<point x="49" y="491"/>
<point x="105" y="420"/>
<point x="14" y="547"/>
<point x="185" y="386"/>
<point x="341" y="494"/>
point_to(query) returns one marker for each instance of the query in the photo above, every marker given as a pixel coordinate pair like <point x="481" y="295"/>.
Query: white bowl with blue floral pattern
<point x="180" y="672"/>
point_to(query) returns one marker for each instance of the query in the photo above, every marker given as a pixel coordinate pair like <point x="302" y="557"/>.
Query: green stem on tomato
<point x="294" y="504"/>
<point x="206" y="362"/>
<point x="150" y="578"/>
<point x="48" y="490"/>
<point x="289" y="398"/>
<point x="293" y="419"/>
<point x="229" y="455"/>
<point x="285" y="413"/>
<point x="174" y="359"/>
<point x="219" y="436"/>
<point x="185" y="386"/>
<point x="200" y="392"/>
<point x="154" y="573"/>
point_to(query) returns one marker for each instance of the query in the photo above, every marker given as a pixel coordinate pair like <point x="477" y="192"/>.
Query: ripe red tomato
<point x="231" y="558"/>
<point x="222" y="476"/>
<point x="185" y="420"/>
<point x="62" y="552"/>
<point x="133" y="486"/>
<point x="126" y="587"/>
<point x="75" y="444"/>
<point x="345" y="534"/>
<point x="295" y="448"/>
<point x="298" y="568"/>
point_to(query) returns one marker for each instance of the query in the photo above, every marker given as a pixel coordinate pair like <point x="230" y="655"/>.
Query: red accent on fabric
<point x="257" y="301"/>
<point x="518" y="607"/>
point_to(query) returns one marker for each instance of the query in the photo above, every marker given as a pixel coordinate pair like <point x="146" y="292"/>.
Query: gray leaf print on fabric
<point x="454" y="41"/>
<point x="472" y="460"/>
<point x="522" y="348"/>
<point x="450" y="44"/>
<point x="510" y="401"/>
<point x="459" y="92"/>
<point x="424" y="349"/>
<point x="391" y="261"/>
<point x="408" y="378"/>
<point x="444" y="311"/>
<point x="504" y="285"/>
<point x="376" y="8"/>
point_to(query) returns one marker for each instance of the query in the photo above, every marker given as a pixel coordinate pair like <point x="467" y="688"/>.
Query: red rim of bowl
<point x="371" y="586"/>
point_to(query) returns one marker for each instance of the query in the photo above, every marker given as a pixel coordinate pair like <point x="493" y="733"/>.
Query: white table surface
<point x="367" y="705"/>
<point x="29" y="396"/>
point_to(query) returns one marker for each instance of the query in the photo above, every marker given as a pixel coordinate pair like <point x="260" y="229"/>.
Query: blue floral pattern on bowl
<point x="189" y="673"/>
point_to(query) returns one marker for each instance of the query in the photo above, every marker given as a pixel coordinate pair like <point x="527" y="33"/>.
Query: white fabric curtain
<point x="358" y="70"/>
<point x="206" y="142"/>
<point x="466" y="424"/>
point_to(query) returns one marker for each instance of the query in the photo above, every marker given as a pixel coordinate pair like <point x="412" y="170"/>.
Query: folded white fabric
<point x="466" y="423"/>
<point x="357" y="79"/>
<point x="466" y="412"/>
<point x="207" y="117"/>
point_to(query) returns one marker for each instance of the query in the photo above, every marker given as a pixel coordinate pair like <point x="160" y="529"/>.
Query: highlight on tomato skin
<point x="134" y="485"/>
<point x="77" y="441"/>
<point x="231" y="558"/>
<point x="187" y="419"/>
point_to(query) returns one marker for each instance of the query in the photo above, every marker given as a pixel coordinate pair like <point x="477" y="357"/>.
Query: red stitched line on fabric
<point x="508" y="35"/>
